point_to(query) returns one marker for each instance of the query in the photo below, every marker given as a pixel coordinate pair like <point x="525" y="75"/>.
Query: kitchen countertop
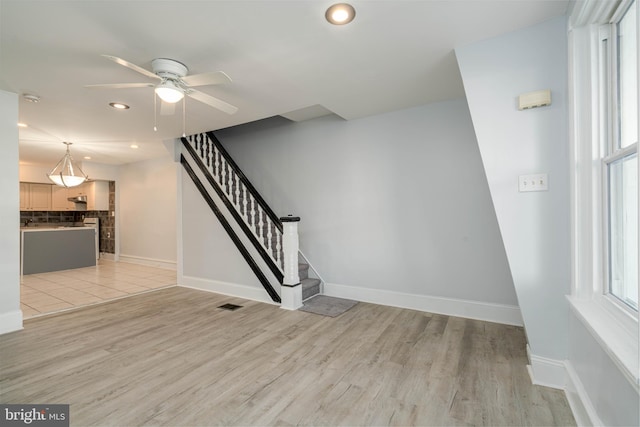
<point x="60" y="228"/>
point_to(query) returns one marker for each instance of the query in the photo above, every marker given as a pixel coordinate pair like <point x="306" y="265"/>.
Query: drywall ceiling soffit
<point x="307" y="113"/>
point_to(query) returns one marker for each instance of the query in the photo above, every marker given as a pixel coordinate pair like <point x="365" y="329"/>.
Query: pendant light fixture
<point x="67" y="173"/>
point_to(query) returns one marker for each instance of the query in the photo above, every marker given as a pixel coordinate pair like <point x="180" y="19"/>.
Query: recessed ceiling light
<point x="22" y="125"/>
<point x="118" y="105"/>
<point x="30" y="97"/>
<point x="87" y="157"/>
<point x="133" y="146"/>
<point x="340" y="14"/>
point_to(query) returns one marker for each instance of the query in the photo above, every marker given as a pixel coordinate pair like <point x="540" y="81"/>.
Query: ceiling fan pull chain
<point x="155" y="113"/>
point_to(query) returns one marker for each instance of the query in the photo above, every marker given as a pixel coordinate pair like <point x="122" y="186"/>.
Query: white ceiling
<point x="282" y="56"/>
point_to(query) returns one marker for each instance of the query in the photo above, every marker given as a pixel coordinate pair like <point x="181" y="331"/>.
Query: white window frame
<point x="611" y="322"/>
<point x="609" y="153"/>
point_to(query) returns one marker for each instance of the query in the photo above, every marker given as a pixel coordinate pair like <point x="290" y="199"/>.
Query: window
<point x="603" y="58"/>
<point x="619" y="107"/>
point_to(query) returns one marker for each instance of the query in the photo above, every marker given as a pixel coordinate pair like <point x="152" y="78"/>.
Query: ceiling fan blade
<point x="212" y="78"/>
<point x="167" y="109"/>
<point x="211" y="101"/>
<point x="119" y="85"/>
<point x="134" y="67"/>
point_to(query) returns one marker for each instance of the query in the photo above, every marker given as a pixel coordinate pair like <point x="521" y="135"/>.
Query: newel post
<point x="291" y="288"/>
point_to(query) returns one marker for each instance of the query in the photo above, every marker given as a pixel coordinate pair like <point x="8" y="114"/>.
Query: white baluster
<point x="223" y="175"/>
<point x="210" y="156"/>
<point x="269" y="235"/>
<point x="237" y="203"/>
<point x="260" y="225"/>
<point x="245" y="214"/>
<point x="279" y="249"/>
<point x="216" y="173"/>
<point x="252" y="216"/>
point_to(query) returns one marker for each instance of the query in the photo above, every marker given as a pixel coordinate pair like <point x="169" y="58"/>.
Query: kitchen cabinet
<point x="97" y="193"/>
<point x="59" y="202"/>
<point x="24" y="196"/>
<point x="47" y="197"/>
<point x="79" y="190"/>
<point x="35" y="197"/>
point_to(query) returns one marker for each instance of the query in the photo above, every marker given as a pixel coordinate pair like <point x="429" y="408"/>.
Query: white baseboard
<point x="108" y="256"/>
<point x="546" y="372"/>
<point x="151" y="262"/>
<point x="10" y="322"/>
<point x="583" y="410"/>
<point x="226" y="288"/>
<point x="497" y="313"/>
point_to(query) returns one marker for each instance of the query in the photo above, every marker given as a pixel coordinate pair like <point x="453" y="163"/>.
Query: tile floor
<point x="45" y="293"/>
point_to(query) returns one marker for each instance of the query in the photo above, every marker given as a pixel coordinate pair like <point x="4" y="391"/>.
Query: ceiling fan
<point x="175" y="82"/>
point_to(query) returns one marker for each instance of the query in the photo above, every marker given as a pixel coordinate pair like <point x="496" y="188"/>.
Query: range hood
<point x="78" y="199"/>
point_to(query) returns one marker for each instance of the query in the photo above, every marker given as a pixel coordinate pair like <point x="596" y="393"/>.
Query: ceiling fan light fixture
<point x="340" y="14"/>
<point x="67" y="173"/>
<point x="169" y="92"/>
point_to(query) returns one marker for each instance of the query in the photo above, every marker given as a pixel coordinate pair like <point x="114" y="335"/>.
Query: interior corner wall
<point x="535" y="225"/>
<point x="395" y="203"/>
<point x="147" y="211"/>
<point x="10" y="313"/>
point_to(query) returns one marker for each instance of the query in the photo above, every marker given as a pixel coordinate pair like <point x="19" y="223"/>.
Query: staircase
<point x="258" y="233"/>
<point x="310" y="285"/>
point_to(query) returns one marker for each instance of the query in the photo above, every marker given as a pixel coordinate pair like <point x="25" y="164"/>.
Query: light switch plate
<point x="537" y="182"/>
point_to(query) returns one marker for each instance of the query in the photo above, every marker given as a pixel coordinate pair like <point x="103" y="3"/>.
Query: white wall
<point x="95" y="171"/>
<point x="535" y="226"/>
<point x="10" y="313"/>
<point x="36" y="173"/>
<point x="100" y="171"/>
<point x="146" y="209"/>
<point x="210" y="259"/>
<point x="609" y="397"/>
<point x="394" y="205"/>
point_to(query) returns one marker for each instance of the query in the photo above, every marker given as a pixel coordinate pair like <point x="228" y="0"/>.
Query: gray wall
<point x="396" y="202"/>
<point x="535" y="226"/>
<point x="10" y="314"/>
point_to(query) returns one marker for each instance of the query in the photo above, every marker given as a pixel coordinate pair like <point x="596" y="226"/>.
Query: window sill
<point x="618" y="340"/>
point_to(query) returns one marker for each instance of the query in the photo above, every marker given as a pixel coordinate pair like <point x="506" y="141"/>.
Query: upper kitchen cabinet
<point x="59" y="199"/>
<point x="78" y="190"/>
<point x="47" y="197"/>
<point x="35" y="197"/>
<point x="97" y="193"/>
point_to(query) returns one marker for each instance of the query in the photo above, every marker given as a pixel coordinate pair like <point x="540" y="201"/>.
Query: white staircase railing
<point x="262" y="222"/>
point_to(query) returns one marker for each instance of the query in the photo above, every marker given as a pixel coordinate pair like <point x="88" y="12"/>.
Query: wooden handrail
<point x="234" y="237"/>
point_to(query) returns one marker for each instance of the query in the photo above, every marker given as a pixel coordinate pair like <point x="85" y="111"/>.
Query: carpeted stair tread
<point x="310" y="287"/>
<point x="303" y="270"/>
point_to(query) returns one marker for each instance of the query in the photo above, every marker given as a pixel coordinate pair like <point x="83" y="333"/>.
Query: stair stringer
<point x="237" y="229"/>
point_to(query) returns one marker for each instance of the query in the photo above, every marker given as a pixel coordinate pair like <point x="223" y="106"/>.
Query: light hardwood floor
<point x="171" y="357"/>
